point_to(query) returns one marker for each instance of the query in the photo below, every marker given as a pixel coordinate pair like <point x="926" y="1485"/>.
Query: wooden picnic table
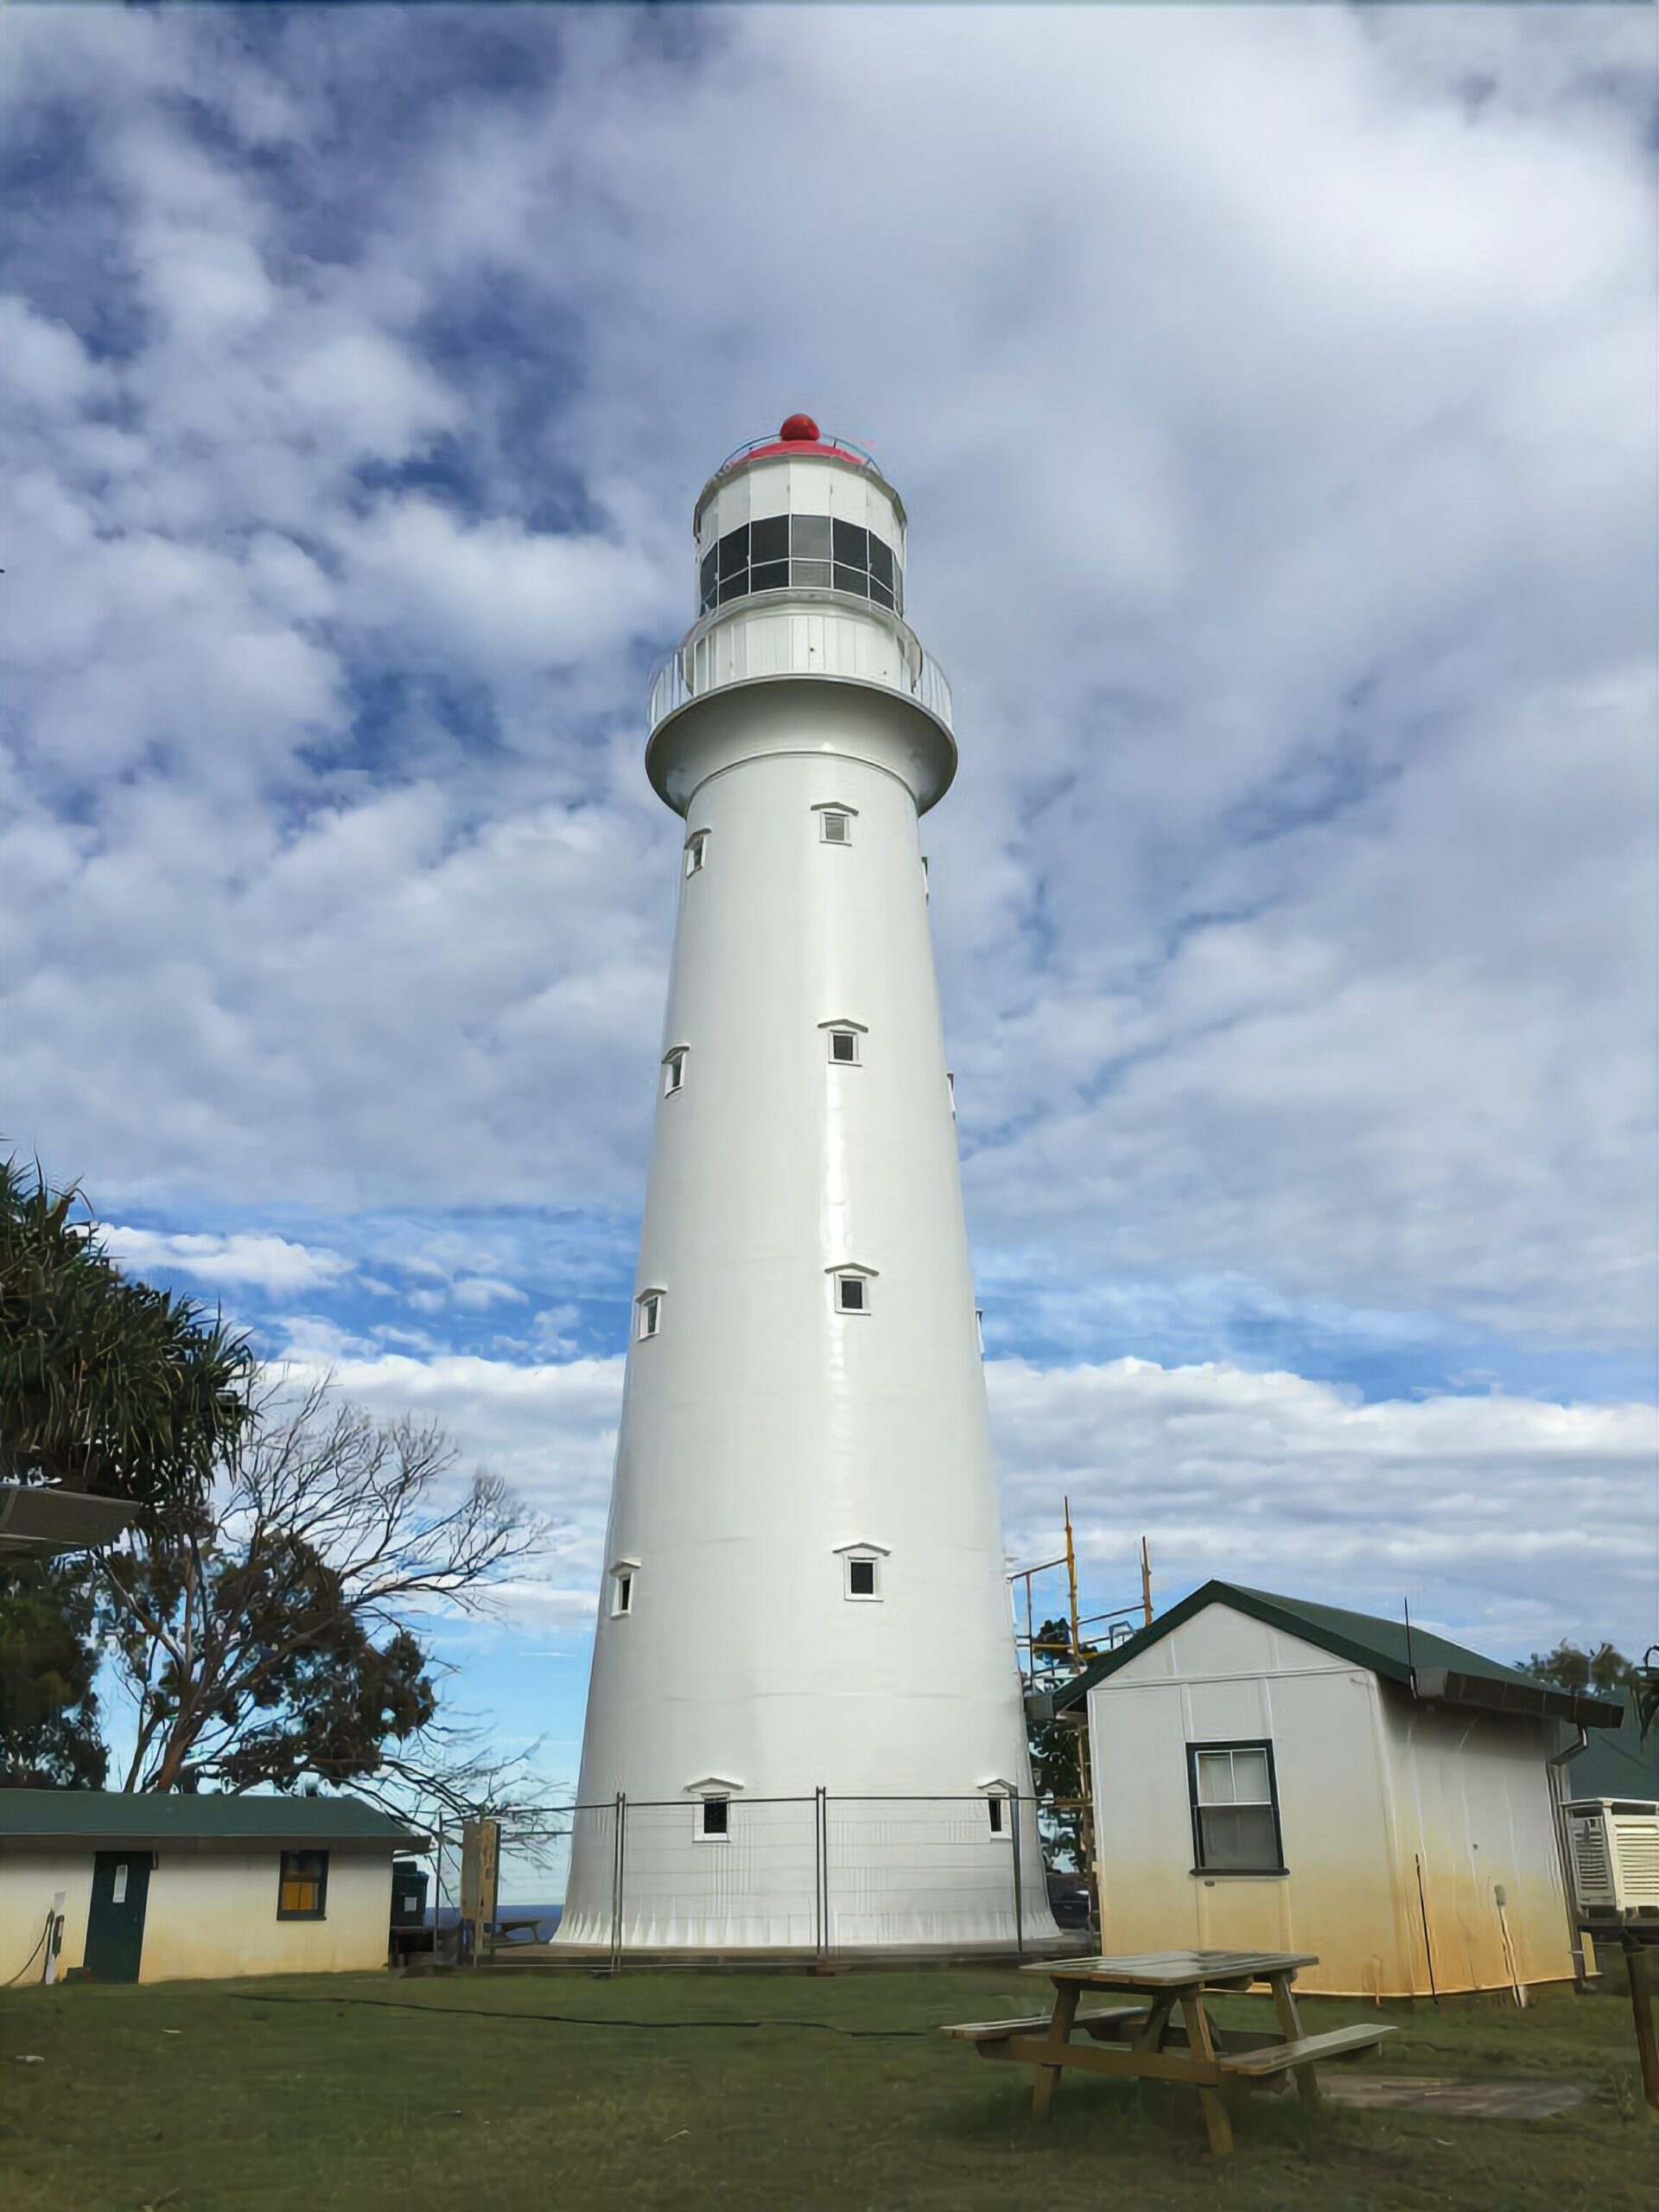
<point x="1144" y="2041"/>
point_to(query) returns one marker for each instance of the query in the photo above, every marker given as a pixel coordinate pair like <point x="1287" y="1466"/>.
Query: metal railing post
<point x="821" y="1867"/>
<point x="1019" y="1885"/>
<point x="618" y="1845"/>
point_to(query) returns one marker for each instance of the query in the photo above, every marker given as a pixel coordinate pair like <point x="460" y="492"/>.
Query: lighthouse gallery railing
<point x="812" y="635"/>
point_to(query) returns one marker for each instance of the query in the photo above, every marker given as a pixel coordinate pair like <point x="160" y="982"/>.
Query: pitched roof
<point x="1616" y="1763"/>
<point x="1435" y="1668"/>
<point x="96" y="1817"/>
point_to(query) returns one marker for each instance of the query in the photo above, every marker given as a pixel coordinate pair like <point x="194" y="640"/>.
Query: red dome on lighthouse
<point x="800" y="428"/>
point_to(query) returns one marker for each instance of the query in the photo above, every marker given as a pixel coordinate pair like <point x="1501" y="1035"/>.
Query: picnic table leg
<point x="1199" y="2042"/>
<point x="1290" y="2026"/>
<point x="1059" y="2028"/>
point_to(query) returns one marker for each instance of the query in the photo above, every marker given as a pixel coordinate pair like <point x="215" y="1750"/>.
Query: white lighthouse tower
<point x="805" y="1723"/>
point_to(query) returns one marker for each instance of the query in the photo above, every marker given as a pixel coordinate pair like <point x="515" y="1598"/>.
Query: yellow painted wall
<point x="27" y="1884"/>
<point x="1366" y="1785"/>
<point x="210" y="1915"/>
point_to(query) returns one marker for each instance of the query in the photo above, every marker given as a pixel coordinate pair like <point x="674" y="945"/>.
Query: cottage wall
<point x="210" y="1914"/>
<point x="1366" y="1786"/>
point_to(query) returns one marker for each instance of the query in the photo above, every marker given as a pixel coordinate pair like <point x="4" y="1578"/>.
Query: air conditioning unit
<point x="1614" y="1845"/>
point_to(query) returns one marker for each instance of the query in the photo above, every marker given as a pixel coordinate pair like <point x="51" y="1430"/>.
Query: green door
<point x="115" y="1926"/>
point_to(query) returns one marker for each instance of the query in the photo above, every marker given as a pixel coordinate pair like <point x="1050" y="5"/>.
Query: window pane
<point x="844" y="1045"/>
<point x="816" y="574"/>
<point x="1235" y="1836"/>
<point x="809" y="535"/>
<point x="770" y="575"/>
<point x="881" y="593"/>
<point x="880" y="561"/>
<point x="852" y="545"/>
<point x="994" y="1806"/>
<point x="735" y="587"/>
<point x="769" y="540"/>
<point x="852" y="1293"/>
<point x="1215" y="1777"/>
<point x="861" y="1576"/>
<point x="714" y="1816"/>
<point x="852" y="579"/>
<point x="734" y="551"/>
<point x="1250" y="1778"/>
<point x="710" y="571"/>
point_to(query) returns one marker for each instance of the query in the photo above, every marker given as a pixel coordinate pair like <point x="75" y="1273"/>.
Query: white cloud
<point x="268" y="1264"/>
<point x="1277" y="437"/>
<point x="1503" y="1521"/>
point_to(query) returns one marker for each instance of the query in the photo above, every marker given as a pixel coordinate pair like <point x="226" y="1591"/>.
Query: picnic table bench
<point x="1145" y="2041"/>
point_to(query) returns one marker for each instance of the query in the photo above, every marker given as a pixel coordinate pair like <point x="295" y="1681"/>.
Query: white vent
<point x="1636" y="1852"/>
<point x="1592" y="1869"/>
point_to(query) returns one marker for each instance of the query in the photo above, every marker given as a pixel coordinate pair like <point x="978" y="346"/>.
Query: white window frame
<point x="714" y="1788"/>
<point x="863" y="1554"/>
<point x="648" y="1314"/>
<point x="850" y="1274"/>
<point x="824" y="808"/>
<point x="696" y="852"/>
<point x="674" y="1062"/>
<point x="855" y="1030"/>
<point x="624" y="1572"/>
<point x="1005" y="1799"/>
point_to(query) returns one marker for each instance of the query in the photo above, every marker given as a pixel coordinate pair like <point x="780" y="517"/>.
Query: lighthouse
<point x="805" y="1723"/>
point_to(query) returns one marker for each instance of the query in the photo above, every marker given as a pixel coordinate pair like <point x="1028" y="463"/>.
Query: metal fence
<point x="821" y="1876"/>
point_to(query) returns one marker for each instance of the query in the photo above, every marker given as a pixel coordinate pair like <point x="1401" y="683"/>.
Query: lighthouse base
<point x="809" y="1877"/>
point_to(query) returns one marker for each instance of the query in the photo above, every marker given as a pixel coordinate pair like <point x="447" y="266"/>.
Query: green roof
<point x="1432" y="1666"/>
<point x="96" y="1814"/>
<point x="1616" y="1763"/>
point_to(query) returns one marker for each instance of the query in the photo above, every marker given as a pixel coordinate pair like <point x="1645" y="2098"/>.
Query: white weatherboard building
<point x="1273" y="1775"/>
<point x="805" y="1619"/>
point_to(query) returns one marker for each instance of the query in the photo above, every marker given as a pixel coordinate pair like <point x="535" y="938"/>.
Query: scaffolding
<point x="1048" y="1664"/>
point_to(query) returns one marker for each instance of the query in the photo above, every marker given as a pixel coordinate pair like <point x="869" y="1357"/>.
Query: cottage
<point x="152" y="1888"/>
<point x="1271" y="1775"/>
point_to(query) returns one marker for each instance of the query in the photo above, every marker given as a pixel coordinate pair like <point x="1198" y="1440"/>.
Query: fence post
<point x="617" y="1844"/>
<point x="1019" y="1885"/>
<point x="821" y="1868"/>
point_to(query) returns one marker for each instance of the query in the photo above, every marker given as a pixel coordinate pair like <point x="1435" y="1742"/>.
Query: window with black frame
<point x="303" y="1885"/>
<point x="1235" y="1801"/>
<point x="802" y="553"/>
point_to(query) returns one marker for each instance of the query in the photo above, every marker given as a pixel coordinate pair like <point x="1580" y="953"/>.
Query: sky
<point x="1271" y="395"/>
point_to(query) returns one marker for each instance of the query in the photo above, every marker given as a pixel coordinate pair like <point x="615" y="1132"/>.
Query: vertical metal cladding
<point x="804" y="1386"/>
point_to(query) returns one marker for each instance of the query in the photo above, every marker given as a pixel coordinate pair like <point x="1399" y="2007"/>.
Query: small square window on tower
<point x="649" y="1307"/>
<point x="852" y="1293"/>
<point x="835" y="828"/>
<point x="862" y="1571"/>
<point x="674" y="1070"/>
<point x="622" y="1591"/>
<point x="716" y="1813"/>
<point x="994" y="1807"/>
<point x="697" y="851"/>
<point x="843" y="1046"/>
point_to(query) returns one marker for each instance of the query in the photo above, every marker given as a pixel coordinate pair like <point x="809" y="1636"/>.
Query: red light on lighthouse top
<point x="798" y="429"/>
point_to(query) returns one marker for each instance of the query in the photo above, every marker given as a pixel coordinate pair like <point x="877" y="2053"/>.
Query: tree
<point x="1056" y="1754"/>
<point x="106" y="1383"/>
<point x="1604" y="1671"/>
<point x="48" y="1660"/>
<point x="273" y="1639"/>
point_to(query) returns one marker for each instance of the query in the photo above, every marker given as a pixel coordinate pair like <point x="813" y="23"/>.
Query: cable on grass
<point x="581" y="2019"/>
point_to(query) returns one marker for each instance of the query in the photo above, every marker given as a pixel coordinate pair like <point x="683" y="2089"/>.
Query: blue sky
<point x="1271" y="393"/>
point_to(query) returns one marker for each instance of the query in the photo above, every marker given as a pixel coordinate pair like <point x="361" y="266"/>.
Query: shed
<point x="1273" y="1775"/>
<point x="162" y="1888"/>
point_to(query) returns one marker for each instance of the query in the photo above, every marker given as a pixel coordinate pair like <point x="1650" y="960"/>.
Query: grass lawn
<point x="428" y="2095"/>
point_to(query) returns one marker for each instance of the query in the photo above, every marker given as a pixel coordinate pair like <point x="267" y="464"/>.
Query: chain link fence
<point x="819" y="1877"/>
